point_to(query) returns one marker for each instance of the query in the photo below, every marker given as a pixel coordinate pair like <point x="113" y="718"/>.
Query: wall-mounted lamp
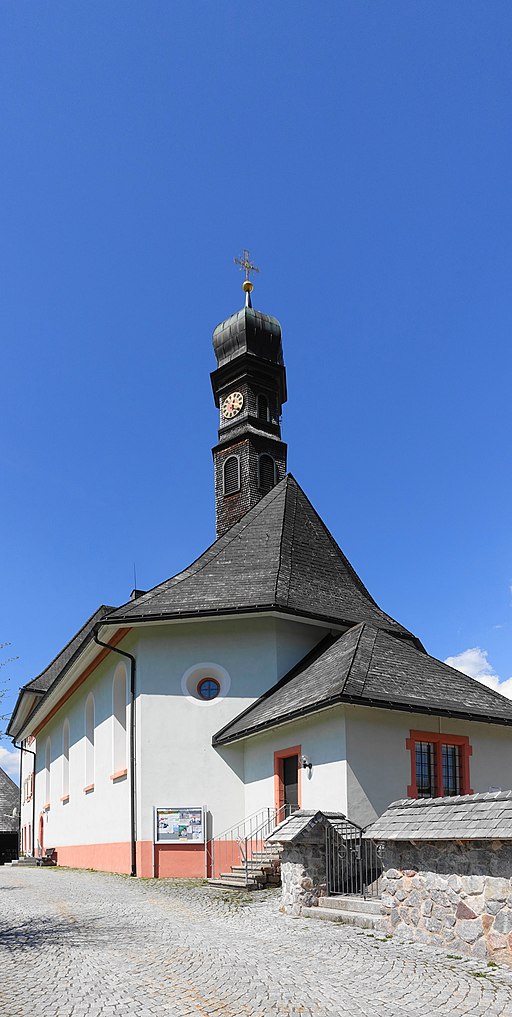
<point x="306" y="763"/>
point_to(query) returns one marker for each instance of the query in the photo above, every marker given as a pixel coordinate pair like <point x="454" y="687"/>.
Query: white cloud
<point x="10" y="762"/>
<point x="475" y="663"/>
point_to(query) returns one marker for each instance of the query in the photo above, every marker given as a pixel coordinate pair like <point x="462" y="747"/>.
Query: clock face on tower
<point x="232" y="405"/>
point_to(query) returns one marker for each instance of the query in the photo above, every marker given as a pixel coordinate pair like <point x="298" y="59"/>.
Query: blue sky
<point x="362" y="152"/>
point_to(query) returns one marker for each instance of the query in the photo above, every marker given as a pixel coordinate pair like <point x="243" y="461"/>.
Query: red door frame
<point x="294" y="750"/>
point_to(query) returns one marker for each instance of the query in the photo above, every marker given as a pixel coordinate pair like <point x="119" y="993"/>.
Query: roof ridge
<point x="220" y="544"/>
<point x="374" y="631"/>
<point x="356" y="648"/>
<point x="289" y="487"/>
<point x="358" y="583"/>
<point x="362" y="626"/>
<point x="494" y="692"/>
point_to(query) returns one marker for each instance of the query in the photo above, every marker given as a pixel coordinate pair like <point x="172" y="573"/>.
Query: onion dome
<point x="248" y="331"/>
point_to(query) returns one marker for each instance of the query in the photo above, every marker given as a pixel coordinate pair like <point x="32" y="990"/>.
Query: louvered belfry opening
<point x="267" y="472"/>
<point x="231" y="475"/>
<point x="262" y="407"/>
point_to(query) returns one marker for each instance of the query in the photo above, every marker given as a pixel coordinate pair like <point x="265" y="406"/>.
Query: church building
<point x="261" y="679"/>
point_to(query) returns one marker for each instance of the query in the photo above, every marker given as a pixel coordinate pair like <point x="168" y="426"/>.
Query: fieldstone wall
<point x="303" y="872"/>
<point x="454" y="895"/>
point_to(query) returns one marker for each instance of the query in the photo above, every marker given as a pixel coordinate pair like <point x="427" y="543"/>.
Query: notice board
<point x="180" y="824"/>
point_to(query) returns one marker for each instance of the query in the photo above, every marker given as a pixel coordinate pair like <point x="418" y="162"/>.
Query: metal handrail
<point x="236" y="826"/>
<point x="236" y="847"/>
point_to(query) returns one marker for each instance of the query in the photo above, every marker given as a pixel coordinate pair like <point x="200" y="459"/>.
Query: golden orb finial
<point x="247" y="266"/>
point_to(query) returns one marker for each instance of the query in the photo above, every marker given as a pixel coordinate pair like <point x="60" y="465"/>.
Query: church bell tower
<point x="249" y="388"/>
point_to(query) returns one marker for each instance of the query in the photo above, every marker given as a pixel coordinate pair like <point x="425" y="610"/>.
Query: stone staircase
<point x="264" y="869"/>
<point x="365" y="914"/>
<point x="29" y="861"/>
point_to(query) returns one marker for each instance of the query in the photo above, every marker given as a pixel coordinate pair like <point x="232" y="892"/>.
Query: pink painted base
<point x="105" y="857"/>
<point x="185" y="861"/>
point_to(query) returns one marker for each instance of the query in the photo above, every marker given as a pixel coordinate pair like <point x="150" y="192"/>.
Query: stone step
<point x="353" y="904"/>
<point x="231" y="883"/>
<point x="357" y="918"/>
<point x="34" y="862"/>
<point x="254" y="868"/>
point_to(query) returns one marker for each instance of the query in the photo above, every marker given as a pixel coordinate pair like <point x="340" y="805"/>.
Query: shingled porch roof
<point x="370" y="667"/>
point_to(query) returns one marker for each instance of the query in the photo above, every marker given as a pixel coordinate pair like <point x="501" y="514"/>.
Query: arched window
<point x="47" y="763"/>
<point x="89" y="743"/>
<point x="119" y="720"/>
<point x="231" y="475"/>
<point x="262" y="407"/>
<point x="267" y="472"/>
<point x="65" y="760"/>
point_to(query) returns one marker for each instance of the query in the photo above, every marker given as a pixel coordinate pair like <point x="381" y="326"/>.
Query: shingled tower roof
<point x="279" y="556"/>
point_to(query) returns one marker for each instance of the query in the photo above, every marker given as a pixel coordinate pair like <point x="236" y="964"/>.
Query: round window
<point x="208" y="688"/>
<point x="205" y="682"/>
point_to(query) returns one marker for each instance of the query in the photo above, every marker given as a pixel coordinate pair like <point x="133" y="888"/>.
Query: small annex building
<point x="262" y="678"/>
<point x="9" y="818"/>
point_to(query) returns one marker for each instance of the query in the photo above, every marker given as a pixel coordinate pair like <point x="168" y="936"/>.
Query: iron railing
<point x="241" y="849"/>
<point x="353" y="863"/>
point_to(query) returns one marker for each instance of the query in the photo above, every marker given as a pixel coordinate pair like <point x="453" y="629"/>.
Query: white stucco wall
<point x="322" y="739"/>
<point x="102" y="816"/>
<point x="178" y="764"/>
<point x="379" y="764"/>
<point x="27" y="765"/>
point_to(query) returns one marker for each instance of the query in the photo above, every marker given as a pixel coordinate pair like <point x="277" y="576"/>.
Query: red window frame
<point x="208" y="678"/>
<point x="294" y="750"/>
<point x="438" y="740"/>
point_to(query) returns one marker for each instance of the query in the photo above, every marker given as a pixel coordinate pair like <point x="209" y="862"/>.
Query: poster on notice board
<point x="179" y="825"/>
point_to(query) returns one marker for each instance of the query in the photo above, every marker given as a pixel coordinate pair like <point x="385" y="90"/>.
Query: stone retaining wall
<point x="303" y="872"/>
<point x="458" y="896"/>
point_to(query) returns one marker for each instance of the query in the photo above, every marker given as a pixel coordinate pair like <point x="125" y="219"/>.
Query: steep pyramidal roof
<point x="279" y="556"/>
<point x="370" y="667"/>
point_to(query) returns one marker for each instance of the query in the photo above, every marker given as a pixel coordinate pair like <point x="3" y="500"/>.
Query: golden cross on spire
<point x="249" y="266"/>
<point x="246" y="263"/>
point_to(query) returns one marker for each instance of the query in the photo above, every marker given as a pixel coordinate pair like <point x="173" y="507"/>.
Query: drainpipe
<point x="22" y="749"/>
<point x="133" y="793"/>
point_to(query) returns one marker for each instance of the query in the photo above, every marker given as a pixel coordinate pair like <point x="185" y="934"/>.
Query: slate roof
<point x="43" y="682"/>
<point x="279" y="556"/>
<point x="48" y="676"/>
<point x="299" y="823"/>
<point x="9" y="799"/>
<point x="370" y="667"/>
<point x="463" y="817"/>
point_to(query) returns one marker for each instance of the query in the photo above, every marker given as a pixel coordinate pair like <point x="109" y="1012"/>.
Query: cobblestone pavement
<point x="78" y="943"/>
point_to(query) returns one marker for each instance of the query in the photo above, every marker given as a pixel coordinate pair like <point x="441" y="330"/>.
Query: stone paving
<point x="85" y="944"/>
